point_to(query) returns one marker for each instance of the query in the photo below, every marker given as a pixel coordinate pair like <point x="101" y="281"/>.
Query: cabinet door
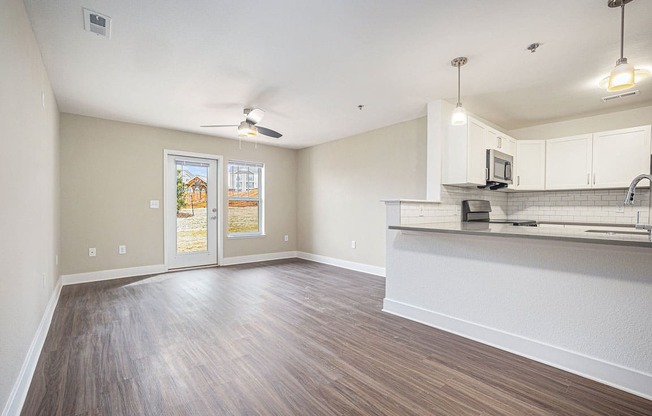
<point x="619" y="156"/>
<point x="568" y="162"/>
<point x="477" y="153"/>
<point x="530" y="165"/>
<point x="507" y="144"/>
<point x="491" y="139"/>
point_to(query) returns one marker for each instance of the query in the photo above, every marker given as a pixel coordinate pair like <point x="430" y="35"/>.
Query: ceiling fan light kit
<point x="247" y="130"/>
<point x="248" y="127"/>
<point x="459" y="114"/>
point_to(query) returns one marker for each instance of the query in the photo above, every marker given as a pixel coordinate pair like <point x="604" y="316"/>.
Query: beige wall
<point x="612" y="121"/>
<point x="111" y="170"/>
<point x="29" y="216"/>
<point x="341" y="184"/>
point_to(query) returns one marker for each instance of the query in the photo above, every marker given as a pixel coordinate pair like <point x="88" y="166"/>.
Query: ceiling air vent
<point x="97" y="23"/>
<point x="617" y="96"/>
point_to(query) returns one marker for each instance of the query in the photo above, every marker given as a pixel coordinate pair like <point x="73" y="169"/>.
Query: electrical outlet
<point x="153" y="203"/>
<point x="92" y="252"/>
<point x="122" y="249"/>
<point x="620" y="208"/>
<point x="352" y="243"/>
<point x="286" y="238"/>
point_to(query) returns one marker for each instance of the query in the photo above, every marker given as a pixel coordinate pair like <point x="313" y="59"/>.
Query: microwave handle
<point x="508" y="170"/>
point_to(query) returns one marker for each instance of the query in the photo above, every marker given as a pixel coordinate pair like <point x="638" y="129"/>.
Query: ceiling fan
<point x="248" y="127"/>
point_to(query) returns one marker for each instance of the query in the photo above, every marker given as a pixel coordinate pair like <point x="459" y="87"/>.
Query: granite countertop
<point x="601" y="234"/>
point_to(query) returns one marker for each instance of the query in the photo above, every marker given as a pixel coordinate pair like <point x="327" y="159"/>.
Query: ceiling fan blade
<point x="254" y="115"/>
<point x="268" y="132"/>
<point x="221" y="125"/>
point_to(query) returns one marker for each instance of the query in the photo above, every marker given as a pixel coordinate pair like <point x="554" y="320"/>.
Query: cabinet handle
<point x="500" y="142"/>
<point x="593" y="178"/>
<point x="588" y="179"/>
<point x="518" y="180"/>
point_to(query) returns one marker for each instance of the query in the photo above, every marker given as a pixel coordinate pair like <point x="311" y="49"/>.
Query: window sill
<point x="244" y="236"/>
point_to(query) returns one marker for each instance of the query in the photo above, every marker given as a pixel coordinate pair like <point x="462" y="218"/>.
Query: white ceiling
<point x="310" y="63"/>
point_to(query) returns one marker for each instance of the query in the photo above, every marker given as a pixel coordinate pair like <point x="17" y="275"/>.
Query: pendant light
<point x="622" y="76"/>
<point x="459" y="114"/>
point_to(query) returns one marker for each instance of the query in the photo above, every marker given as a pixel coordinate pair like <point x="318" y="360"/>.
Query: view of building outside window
<point x="245" y="198"/>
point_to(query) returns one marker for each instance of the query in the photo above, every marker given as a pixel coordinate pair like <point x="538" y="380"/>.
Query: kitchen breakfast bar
<point x="568" y="296"/>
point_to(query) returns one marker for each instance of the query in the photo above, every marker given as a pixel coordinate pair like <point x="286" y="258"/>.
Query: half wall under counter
<point x="574" y="304"/>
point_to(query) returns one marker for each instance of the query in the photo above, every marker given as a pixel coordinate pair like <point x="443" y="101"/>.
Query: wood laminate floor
<point x="282" y="338"/>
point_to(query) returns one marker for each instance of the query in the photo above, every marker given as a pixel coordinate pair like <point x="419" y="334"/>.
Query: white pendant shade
<point x="640" y="74"/>
<point x="459" y="116"/>
<point x="621" y="77"/>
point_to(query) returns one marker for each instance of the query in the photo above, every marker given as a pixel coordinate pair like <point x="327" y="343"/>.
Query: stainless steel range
<point x="477" y="210"/>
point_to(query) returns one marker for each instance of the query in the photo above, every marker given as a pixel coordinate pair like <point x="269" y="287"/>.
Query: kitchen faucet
<point x="629" y="200"/>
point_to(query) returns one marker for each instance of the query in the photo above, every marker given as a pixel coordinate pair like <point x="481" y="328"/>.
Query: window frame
<point x="261" y="196"/>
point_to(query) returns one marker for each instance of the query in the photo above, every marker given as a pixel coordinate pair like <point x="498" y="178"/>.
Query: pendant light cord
<point x="458" y="83"/>
<point x="622" y="31"/>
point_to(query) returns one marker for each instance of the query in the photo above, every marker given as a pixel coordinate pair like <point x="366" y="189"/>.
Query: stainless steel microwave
<point x="499" y="167"/>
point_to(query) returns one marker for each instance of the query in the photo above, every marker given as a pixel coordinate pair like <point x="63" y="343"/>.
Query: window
<point x="245" y="198"/>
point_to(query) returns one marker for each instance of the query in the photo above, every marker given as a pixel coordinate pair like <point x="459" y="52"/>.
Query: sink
<point x="611" y="232"/>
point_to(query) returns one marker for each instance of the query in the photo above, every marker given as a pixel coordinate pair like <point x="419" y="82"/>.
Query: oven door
<point x="499" y="167"/>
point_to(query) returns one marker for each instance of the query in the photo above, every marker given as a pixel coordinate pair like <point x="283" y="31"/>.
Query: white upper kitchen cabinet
<point x="509" y="145"/>
<point x="500" y="141"/>
<point x="619" y="156"/>
<point x="569" y="162"/>
<point x="464" y="155"/>
<point x="530" y="166"/>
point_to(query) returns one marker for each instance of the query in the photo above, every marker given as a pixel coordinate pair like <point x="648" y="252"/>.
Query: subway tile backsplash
<point x="596" y="206"/>
<point x="599" y="206"/>
<point x="450" y="208"/>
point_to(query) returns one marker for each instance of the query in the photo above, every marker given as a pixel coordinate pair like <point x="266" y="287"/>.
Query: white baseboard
<point x="229" y="261"/>
<point x="21" y="386"/>
<point x="351" y="265"/>
<point x="614" y="375"/>
<point x="72" y="279"/>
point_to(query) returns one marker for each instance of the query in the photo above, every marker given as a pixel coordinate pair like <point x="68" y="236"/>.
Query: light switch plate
<point x="122" y="249"/>
<point x="154" y="203"/>
<point x="92" y="252"/>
